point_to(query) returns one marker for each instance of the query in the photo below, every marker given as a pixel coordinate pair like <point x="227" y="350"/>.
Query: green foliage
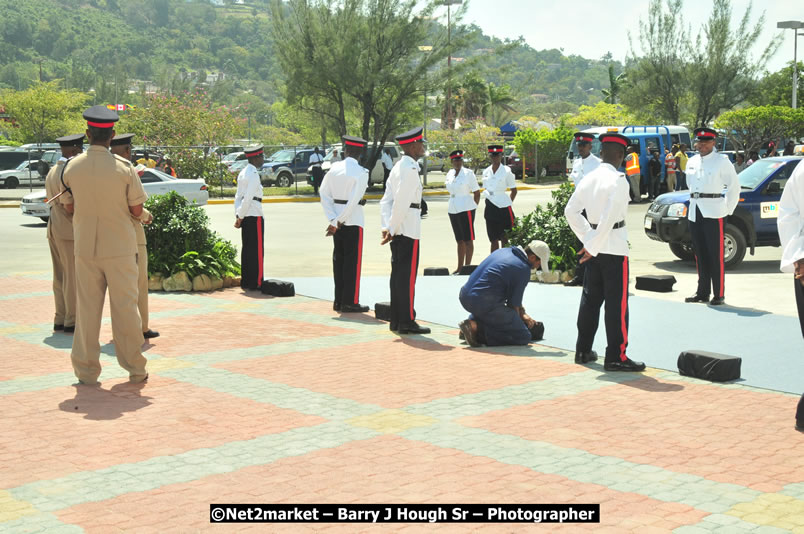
<point x="179" y="239"/>
<point x="8" y="142"/>
<point x="749" y="128"/>
<point x="549" y="224"/>
<point x="601" y="114"/>
<point x="776" y="89"/>
<point x="473" y="139"/>
<point x="44" y="111"/>
<point x="553" y="145"/>
<point x="525" y="142"/>
<point x="195" y="163"/>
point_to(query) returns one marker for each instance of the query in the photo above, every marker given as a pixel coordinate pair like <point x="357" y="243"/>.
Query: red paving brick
<point x="388" y="373"/>
<point x="727" y="435"/>
<point x="28" y="360"/>
<point x="12" y="285"/>
<point x="392" y="475"/>
<point x="51" y="433"/>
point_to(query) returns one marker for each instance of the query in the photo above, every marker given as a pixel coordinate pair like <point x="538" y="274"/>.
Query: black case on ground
<point x="467" y="269"/>
<point x="382" y="311"/>
<point x="709" y="365"/>
<point x="537" y="332"/>
<point x="436" y="271"/>
<point x="662" y="283"/>
<point x="278" y="288"/>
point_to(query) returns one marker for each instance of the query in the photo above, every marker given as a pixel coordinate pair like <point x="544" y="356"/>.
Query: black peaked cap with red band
<point x="495" y="149"/>
<point x="350" y="140"/>
<point x="71" y="140"/>
<point x="615" y="138"/>
<point x="101" y="117"/>
<point x="252" y="151"/>
<point x="411" y="136"/>
<point x="456" y="154"/>
<point x="705" y="134"/>
<point x="583" y="137"/>
<point x="122" y="139"/>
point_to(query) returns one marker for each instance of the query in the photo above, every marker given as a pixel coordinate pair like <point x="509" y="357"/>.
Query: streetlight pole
<point x="449" y="3"/>
<point x="794" y="25"/>
<point x="425" y="48"/>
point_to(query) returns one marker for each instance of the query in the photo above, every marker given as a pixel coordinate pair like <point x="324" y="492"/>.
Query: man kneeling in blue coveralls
<point x="493" y="296"/>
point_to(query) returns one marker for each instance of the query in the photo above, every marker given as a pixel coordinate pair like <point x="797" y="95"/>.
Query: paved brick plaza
<point x="264" y="400"/>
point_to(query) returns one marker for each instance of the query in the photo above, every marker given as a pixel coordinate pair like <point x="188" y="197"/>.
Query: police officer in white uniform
<point x="791" y="235"/>
<point x="342" y="193"/>
<point x="400" y="209"/>
<point x="499" y="214"/>
<point x="581" y="166"/>
<point x="316" y="173"/>
<point x="603" y="194"/>
<point x="714" y="193"/>
<point x="249" y="218"/>
<point x="464" y="194"/>
<point x="387" y="165"/>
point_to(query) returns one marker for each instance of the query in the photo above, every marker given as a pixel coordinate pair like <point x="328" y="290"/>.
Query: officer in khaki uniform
<point x="104" y="193"/>
<point x="60" y="238"/>
<point x="121" y="146"/>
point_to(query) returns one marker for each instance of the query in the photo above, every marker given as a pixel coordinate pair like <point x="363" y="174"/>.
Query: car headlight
<point x="678" y="209"/>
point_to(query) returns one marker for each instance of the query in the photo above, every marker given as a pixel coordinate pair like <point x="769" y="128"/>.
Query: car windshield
<point x="22" y="166"/>
<point x="282" y="155"/>
<point x="231" y="157"/>
<point x="756" y="173"/>
<point x="162" y="176"/>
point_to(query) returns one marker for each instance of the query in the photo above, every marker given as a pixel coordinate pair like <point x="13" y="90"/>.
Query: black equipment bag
<point x="662" y="283"/>
<point x="278" y="288"/>
<point x="709" y="365"/>
<point x="537" y="332"/>
<point x="436" y="271"/>
<point x="382" y="311"/>
<point x="467" y="269"/>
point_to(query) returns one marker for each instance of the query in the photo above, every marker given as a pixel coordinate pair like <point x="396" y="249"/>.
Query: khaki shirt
<point x="103" y="188"/>
<point x="139" y="228"/>
<point x="60" y="223"/>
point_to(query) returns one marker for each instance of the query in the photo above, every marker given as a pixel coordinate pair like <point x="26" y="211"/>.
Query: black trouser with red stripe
<point x="707" y="242"/>
<point x="347" y="256"/>
<point x="800" y="302"/>
<point x="251" y="253"/>
<point x="404" y="266"/>
<point x="605" y="280"/>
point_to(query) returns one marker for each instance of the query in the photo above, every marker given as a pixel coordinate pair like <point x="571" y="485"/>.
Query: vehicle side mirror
<point x="774" y="188"/>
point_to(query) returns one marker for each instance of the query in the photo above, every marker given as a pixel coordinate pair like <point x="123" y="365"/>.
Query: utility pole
<point x="449" y="59"/>
<point x="794" y="25"/>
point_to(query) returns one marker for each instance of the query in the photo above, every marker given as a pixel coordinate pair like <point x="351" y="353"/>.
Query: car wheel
<point x="283" y="180"/>
<point x="734" y="246"/>
<point x="683" y="251"/>
<point x="12" y="183"/>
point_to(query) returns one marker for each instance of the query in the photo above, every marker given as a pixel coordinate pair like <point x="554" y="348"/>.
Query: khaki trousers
<point x="671" y="182"/>
<point x="634" y="180"/>
<point x="61" y="255"/>
<point x="93" y="276"/>
<point x="142" y="285"/>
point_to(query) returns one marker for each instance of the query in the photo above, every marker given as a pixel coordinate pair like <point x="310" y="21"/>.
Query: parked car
<point x="376" y="176"/>
<point x="11" y="158"/>
<point x="154" y="182"/>
<point x="436" y="161"/>
<point x="285" y="167"/>
<point x="753" y="223"/>
<point x="26" y="173"/>
<point x="515" y="162"/>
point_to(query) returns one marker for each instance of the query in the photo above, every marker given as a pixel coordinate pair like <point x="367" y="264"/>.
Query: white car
<point x="26" y="173"/>
<point x="155" y="183"/>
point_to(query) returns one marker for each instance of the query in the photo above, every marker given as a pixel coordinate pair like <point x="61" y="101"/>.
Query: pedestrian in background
<point x="387" y="165"/>
<point x="670" y="169"/>
<point x="681" y="166"/>
<point x="655" y="169"/>
<point x="316" y="172"/>
<point x="633" y="172"/>
<point x="464" y="194"/>
<point x="739" y="162"/>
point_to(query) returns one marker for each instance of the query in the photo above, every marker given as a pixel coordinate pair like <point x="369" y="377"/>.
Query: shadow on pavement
<point x="743" y="312"/>
<point x="99" y="404"/>
<point x="746" y="267"/>
<point x="648" y="383"/>
<point x="59" y="341"/>
<point x="423" y="343"/>
<point x="35" y="225"/>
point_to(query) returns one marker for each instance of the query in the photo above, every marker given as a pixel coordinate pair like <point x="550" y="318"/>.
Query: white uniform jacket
<point x="460" y="187"/>
<point x="710" y="174"/>
<point x="603" y="193"/>
<point x="403" y="189"/>
<point x="791" y="219"/>
<point x="248" y="199"/>
<point x="495" y="184"/>
<point x="583" y="166"/>
<point x="346" y="183"/>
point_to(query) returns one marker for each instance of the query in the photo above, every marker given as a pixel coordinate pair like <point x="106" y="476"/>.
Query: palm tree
<point x="498" y="106"/>
<point x="616" y="83"/>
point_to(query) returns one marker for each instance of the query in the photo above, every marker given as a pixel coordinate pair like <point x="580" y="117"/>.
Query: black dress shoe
<point x="469" y="335"/>
<point x="58" y="327"/>
<point x="354" y="308"/>
<point x="414" y="328"/>
<point x="585" y="357"/>
<point x="627" y="365"/>
<point x="150" y="334"/>
<point x="800" y="425"/>
<point x="717" y="301"/>
<point x="697" y="298"/>
<point x="574" y="282"/>
<point x="336" y="306"/>
<point x="69" y="329"/>
<point x="393" y="327"/>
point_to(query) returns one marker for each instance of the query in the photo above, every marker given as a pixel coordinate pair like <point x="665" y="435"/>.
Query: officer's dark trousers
<point x="606" y="280"/>
<point x="346" y="263"/>
<point x="251" y="253"/>
<point x="580" y="269"/>
<point x="497" y="324"/>
<point x="404" y="266"/>
<point x="800" y="302"/>
<point x="707" y="242"/>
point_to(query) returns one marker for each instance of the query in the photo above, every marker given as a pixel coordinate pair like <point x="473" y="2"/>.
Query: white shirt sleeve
<point x="327" y="202"/>
<point x="450" y="182"/>
<point x="732" y="183"/>
<point x="251" y="189"/>
<point x="404" y="196"/>
<point x="510" y="179"/>
<point x="472" y="181"/>
<point x="791" y="220"/>
<point x="572" y="212"/>
<point x="616" y="203"/>
<point x="358" y="190"/>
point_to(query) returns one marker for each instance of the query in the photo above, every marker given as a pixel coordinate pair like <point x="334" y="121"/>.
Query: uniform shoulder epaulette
<point x="122" y="159"/>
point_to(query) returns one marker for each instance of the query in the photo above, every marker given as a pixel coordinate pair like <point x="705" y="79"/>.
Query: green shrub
<point x="179" y="239"/>
<point x="549" y="224"/>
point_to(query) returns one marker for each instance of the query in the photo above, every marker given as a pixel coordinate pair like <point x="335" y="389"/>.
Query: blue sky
<point x="591" y="27"/>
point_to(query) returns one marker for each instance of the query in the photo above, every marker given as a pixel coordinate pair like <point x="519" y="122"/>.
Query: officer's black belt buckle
<point x="705" y="195"/>
<point x="258" y="199"/>
<point x="616" y="225"/>
<point x="361" y="202"/>
<point x="415" y="206"/>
